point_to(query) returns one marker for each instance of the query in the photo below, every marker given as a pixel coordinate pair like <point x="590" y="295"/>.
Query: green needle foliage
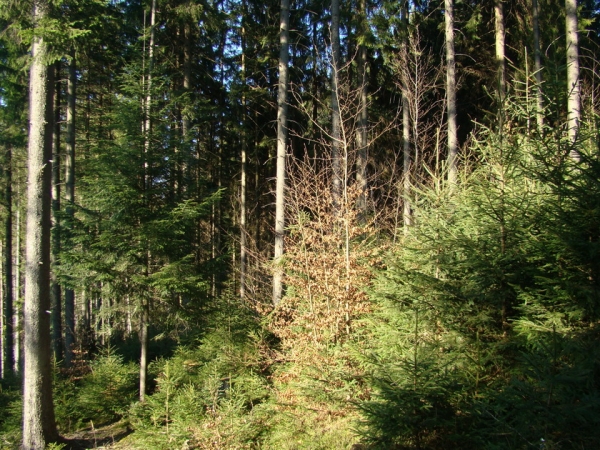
<point x="212" y="391"/>
<point x="102" y="395"/>
<point x="485" y="328"/>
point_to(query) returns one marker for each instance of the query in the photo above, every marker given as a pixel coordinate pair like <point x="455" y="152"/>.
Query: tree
<point x="537" y="53"/>
<point x="362" y="128"/>
<point x="573" y="83"/>
<point x="147" y="131"/>
<point x="451" y="92"/>
<point x="8" y="360"/>
<point x="39" y="427"/>
<point x="70" y="198"/>
<point x="56" y="291"/>
<point x="282" y="118"/>
<point x="406" y="166"/>
<point x="244" y="166"/>
<point x="500" y="52"/>
<point x="335" y="104"/>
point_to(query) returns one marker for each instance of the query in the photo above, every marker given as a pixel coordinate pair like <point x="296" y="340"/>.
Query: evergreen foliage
<point x="11" y="409"/>
<point x="100" y="396"/>
<point x="486" y="312"/>
<point x="211" y="393"/>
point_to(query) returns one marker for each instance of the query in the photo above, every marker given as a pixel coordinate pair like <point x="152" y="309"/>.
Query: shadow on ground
<point x="101" y="437"/>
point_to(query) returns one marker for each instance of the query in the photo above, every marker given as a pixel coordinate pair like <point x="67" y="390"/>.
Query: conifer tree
<point x="500" y="51"/>
<point x="362" y="126"/>
<point x="8" y="343"/>
<point x="537" y="53"/>
<point x="56" y="290"/>
<point x="451" y="92"/>
<point x="336" y="132"/>
<point x="573" y="82"/>
<point x="39" y="427"/>
<point x="282" y="119"/>
<point x="69" y="297"/>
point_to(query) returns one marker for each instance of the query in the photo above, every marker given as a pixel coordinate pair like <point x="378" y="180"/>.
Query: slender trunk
<point x="573" y="85"/>
<point x="187" y="73"/>
<point x="145" y="307"/>
<point x="537" y="53"/>
<point x="315" y="86"/>
<point x="39" y="426"/>
<point x="8" y="361"/>
<point x="55" y="292"/>
<point x="243" y="213"/>
<point x="500" y="53"/>
<point x="147" y="126"/>
<point x="17" y="363"/>
<point x="282" y="117"/>
<point x="70" y="199"/>
<point x="183" y="167"/>
<point x="361" y="132"/>
<point x="143" y="336"/>
<point x="451" y="92"/>
<point x="259" y="168"/>
<point x="335" y="106"/>
<point x="406" y="167"/>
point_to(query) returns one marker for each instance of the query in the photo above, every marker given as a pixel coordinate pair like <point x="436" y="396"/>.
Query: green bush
<point x="103" y="395"/>
<point x="210" y="392"/>
<point x="11" y="407"/>
<point x="485" y="332"/>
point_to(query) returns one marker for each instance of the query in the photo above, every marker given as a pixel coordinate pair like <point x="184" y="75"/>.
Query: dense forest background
<point x="305" y="225"/>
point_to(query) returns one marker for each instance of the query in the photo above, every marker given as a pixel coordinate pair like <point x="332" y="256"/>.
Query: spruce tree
<point x="39" y="427"/>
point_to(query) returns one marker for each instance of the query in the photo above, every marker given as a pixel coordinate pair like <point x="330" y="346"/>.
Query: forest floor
<point x="103" y="437"/>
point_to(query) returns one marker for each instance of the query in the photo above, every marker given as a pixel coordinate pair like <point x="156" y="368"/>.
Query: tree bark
<point x="500" y="52"/>
<point x="451" y="93"/>
<point x="244" y="157"/>
<point x="282" y="117"/>
<point x="406" y="166"/>
<point x="335" y="107"/>
<point x="361" y="132"/>
<point x="17" y="324"/>
<point x="573" y="85"/>
<point x="55" y="292"/>
<point x="145" y="306"/>
<point x="8" y="361"/>
<point x="39" y="426"/>
<point x="537" y="54"/>
<point x="70" y="199"/>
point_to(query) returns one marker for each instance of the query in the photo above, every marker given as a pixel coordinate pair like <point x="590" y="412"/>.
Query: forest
<point x="356" y="224"/>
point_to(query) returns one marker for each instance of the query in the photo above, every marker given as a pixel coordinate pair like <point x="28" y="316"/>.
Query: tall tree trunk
<point x="500" y="59"/>
<point x="451" y="92"/>
<point x="406" y="167"/>
<point x="361" y="132"/>
<point x="500" y="53"/>
<point x="185" y="120"/>
<point x="145" y="306"/>
<point x="70" y="199"/>
<point x="39" y="426"/>
<point x="335" y="106"/>
<point x="55" y="292"/>
<point x="537" y="53"/>
<point x="315" y="85"/>
<point x="573" y="85"/>
<point x="243" y="213"/>
<point x="8" y="361"/>
<point x="17" y="325"/>
<point x="282" y="117"/>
